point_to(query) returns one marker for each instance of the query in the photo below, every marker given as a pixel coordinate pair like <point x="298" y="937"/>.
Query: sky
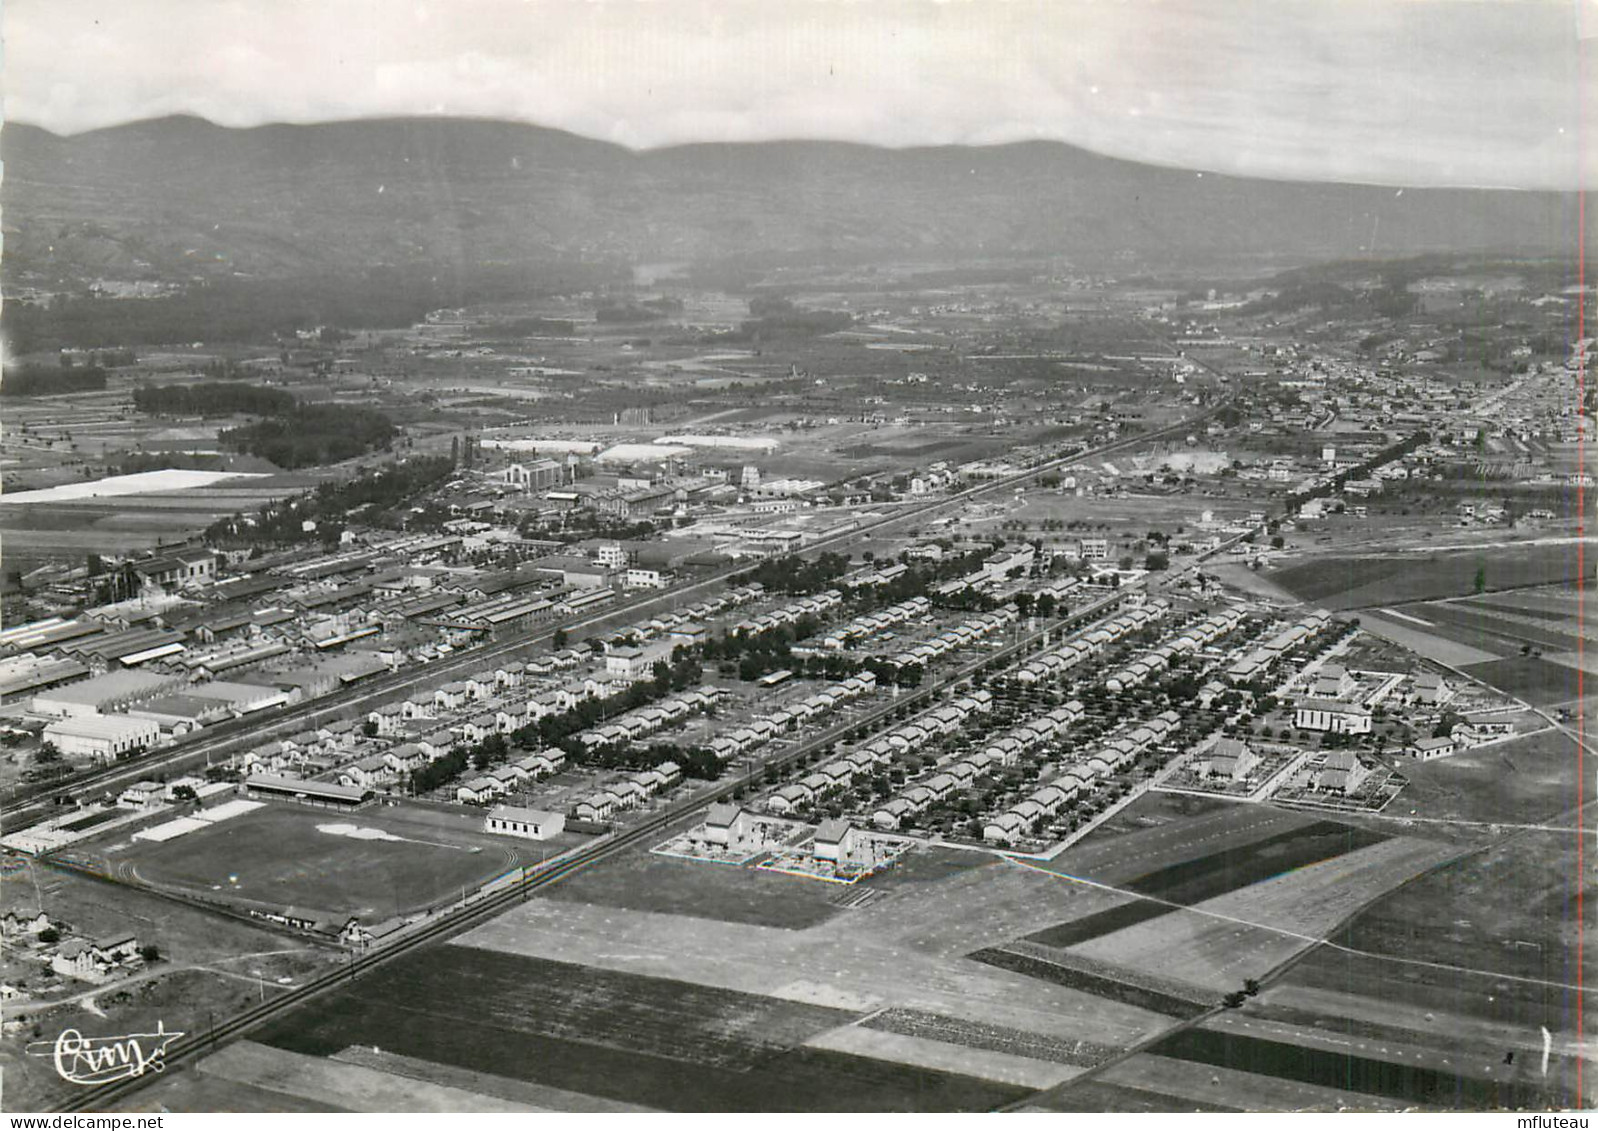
<point x="1402" y="92"/>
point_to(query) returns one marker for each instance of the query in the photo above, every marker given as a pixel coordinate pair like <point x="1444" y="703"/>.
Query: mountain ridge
<point x="180" y="198"/>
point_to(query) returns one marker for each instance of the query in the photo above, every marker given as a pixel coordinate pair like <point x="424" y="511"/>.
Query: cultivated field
<point x="1538" y="681"/>
<point x="1394" y="578"/>
<point x="891" y="952"/>
<point x="658" y="1042"/>
<point x="1508" y="912"/>
<point x="1247" y="931"/>
<point x="1408" y="632"/>
<point x="1366" y="1068"/>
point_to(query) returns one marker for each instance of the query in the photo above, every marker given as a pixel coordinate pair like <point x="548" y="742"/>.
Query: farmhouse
<point x="533" y="824"/>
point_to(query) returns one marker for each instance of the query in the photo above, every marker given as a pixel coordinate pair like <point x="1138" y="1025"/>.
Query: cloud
<point x="1388" y="91"/>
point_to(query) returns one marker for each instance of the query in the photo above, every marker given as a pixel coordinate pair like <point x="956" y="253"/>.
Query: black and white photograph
<point x="723" y="557"/>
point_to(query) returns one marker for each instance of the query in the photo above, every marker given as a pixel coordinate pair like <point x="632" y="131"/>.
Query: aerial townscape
<point x="786" y="626"/>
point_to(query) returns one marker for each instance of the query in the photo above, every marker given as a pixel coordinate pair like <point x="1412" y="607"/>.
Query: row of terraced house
<point x="628" y="791"/>
<point x="1158" y="659"/>
<point x="1079" y="779"/>
<point x="961" y="635"/>
<point x="1058" y="661"/>
<point x="759" y="731"/>
<point x="1003" y="751"/>
<point x="883" y="750"/>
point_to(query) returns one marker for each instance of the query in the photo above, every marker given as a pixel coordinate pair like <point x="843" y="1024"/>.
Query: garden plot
<point x="871" y="853"/>
<point x="766" y="834"/>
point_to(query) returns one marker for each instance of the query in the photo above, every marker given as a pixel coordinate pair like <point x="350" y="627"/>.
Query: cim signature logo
<point x="100" y="1060"/>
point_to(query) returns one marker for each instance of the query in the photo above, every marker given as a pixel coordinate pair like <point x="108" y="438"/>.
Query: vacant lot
<point x="1430" y="640"/>
<point x="513" y="993"/>
<point x="1102" y="979"/>
<point x="647" y="882"/>
<point x="287" y="855"/>
<point x="1192" y="881"/>
<point x="1098" y="1096"/>
<point x="644" y="881"/>
<point x="1193" y="1080"/>
<point x="1162" y="829"/>
<point x="994" y="1038"/>
<point x="1524" y="780"/>
<point x="894" y="952"/>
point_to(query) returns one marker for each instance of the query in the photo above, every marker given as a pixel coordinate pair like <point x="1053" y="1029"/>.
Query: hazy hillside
<point x="177" y="197"/>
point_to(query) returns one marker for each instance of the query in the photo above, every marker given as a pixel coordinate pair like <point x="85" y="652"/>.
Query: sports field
<point x="374" y="863"/>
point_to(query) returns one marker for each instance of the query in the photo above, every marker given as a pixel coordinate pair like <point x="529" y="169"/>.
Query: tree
<point x="558" y="640"/>
<point x="49" y="935"/>
<point x="369" y="728"/>
<point x="184" y="793"/>
<point x="1481" y="578"/>
<point x="48" y="753"/>
<point x="150" y="952"/>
